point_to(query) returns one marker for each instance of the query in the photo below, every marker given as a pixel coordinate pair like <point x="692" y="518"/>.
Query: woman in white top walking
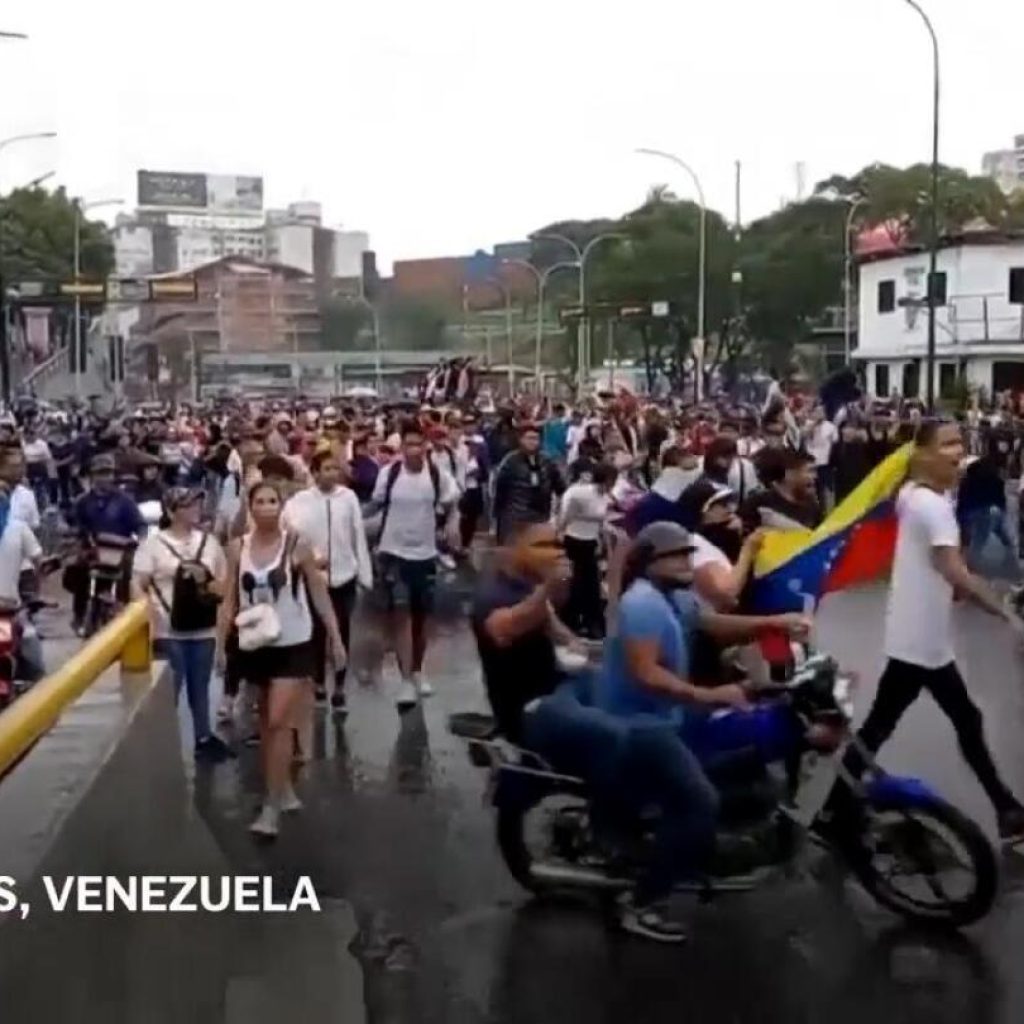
<point x="181" y="571"/>
<point x="329" y="518"/>
<point x="582" y="514"/>
<point x="270" y="566"/>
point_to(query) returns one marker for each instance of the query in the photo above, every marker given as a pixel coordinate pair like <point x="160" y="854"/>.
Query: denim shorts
<point x="407" y="584"/>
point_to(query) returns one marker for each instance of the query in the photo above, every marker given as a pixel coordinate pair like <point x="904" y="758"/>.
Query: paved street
<point x="398" y="842"/>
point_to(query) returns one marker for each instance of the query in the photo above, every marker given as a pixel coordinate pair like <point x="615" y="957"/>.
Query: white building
<point x="979" y="317"/>
<point x="161" y="241"/>
<point x="1006" y="166"/>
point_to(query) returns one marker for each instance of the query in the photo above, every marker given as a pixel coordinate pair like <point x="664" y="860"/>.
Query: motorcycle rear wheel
<point x="562" y="850"/>
<point x="940" y="821"/>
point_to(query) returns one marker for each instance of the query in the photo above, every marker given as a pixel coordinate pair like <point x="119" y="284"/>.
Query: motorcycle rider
<point x="104" y="512"/>
<point x="645" y="681"/>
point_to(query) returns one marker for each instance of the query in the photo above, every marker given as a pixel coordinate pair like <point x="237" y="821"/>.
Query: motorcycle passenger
<point x="103" y="512"/>
<point x="516" y="627"/>
<point x="646" y="681"/>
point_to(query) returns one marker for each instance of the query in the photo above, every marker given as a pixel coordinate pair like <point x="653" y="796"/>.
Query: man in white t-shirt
<point x="928" y="572"/>
<point x="411" y="493"/>
<point x="819" y="436"/>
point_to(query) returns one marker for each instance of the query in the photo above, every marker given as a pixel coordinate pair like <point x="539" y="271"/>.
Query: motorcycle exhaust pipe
<point x="577" y="877"/>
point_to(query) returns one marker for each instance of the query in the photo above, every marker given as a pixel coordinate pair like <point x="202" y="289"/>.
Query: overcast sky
<point x="443" y="126"/>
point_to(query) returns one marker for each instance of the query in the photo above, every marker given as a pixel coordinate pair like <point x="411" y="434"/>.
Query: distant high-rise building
<point x="1006" y="166"/>
<point x="186" y="220"/>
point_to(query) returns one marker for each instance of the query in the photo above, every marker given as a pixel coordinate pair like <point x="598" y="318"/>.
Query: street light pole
<point x="542" y="280"/>
<point x="81" y="208"/>
<point x="933" y="248"/>
<point x="848" y="275"/>
<point x="701" y="266"/>
<point x="583" y="346"/>
<point x="5" y="360"/>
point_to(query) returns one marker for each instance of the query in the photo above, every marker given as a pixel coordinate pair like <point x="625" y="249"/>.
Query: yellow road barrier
<point x="32" y="714"/>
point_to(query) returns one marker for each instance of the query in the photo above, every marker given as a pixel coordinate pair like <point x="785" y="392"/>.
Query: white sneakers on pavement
<point x="267" y="823"/>
<point x="290" y="802"/>
<point x="408" y="695"/>
<point x="422" y="685"/>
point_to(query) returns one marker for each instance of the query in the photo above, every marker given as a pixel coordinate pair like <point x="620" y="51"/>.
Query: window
<point x="1017" y="286"/>
<point x="947" y="380"/>
<point x="937" y="287"/>
<point x="882" y="380"/>
<point x="886" y="297"/>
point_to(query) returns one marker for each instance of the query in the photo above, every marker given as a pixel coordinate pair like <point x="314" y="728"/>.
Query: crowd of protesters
<point x="277" y="514"/>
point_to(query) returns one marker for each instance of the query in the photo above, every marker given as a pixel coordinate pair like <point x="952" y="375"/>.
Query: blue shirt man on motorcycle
<point x="104" y="514"/>
<point x="645" y="682"/>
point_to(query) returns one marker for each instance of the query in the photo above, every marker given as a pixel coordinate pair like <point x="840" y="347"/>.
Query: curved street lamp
<point x="855" y="203"/>
<point x="542" y="280"/>
<point x="701" y="265"/>
<point x="583" y="348"/>
<point x="81" y="208"/>
<point x="933" y="248"/>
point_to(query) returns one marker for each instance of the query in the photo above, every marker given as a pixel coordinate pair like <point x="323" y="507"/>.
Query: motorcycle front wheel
<point x="929" y="863"/>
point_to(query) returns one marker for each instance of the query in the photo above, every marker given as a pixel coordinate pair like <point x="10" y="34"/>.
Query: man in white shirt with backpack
<point x="327" y="515"/>
<point x="412" y="492"/>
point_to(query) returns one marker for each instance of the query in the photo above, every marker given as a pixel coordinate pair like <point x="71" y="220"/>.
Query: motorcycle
<point x="767" y="764"/>
<point x="17" y="635"/>
<point x="109" y="560"/>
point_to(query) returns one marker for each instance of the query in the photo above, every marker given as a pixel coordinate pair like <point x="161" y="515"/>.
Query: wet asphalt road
<point x="395" y="831"/>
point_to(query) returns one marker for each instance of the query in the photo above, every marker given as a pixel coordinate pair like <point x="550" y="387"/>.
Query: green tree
<point x="37" y="230"/>
<point x="903" y="196"/>
<point x="792" y="267"/>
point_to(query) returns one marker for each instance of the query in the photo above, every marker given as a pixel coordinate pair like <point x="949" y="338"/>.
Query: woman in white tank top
<point x="270" y="565"/>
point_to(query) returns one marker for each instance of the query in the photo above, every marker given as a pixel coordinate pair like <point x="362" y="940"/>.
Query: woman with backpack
<point x="272" y="579"/>
<point x="179" y="569"/>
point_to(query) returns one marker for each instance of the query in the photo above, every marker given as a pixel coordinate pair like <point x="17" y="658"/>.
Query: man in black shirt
<point x="789" y="491"/>
<point x="525" y="484"/>
<point x="514" y="624"/>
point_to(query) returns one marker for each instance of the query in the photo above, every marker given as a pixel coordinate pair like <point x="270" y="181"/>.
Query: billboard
<point x="168" y="188"/>
<point x="218" y="193"/>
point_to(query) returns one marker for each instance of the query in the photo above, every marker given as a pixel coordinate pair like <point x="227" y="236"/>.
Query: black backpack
<point x="393" y="470"/>
<point x="193" y="607"/>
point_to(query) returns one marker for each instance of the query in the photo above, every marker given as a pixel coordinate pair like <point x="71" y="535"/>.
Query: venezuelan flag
<point x="855" y="544"/>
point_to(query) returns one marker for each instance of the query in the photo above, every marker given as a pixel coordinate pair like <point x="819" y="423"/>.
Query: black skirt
<point x="259" y="667"/>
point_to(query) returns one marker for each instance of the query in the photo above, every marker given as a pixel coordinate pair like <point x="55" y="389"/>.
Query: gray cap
<point x="664" y="538"/>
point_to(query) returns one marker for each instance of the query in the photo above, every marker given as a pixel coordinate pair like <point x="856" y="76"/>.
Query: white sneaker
<point x="267" y="822"/>
<point x="408" y="696"/>
<point x="290" y="802"/>
<point x="422" y="685"/>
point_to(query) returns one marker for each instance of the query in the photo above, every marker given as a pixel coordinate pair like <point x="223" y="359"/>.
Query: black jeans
<point x="343" y="600"/>
<point x="901" y="684"/>
<point x="471" y="508"/>
<point x="583" y="609"/>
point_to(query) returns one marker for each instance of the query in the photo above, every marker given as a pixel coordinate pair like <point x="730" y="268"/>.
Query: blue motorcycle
<point x="914" y="852"/>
